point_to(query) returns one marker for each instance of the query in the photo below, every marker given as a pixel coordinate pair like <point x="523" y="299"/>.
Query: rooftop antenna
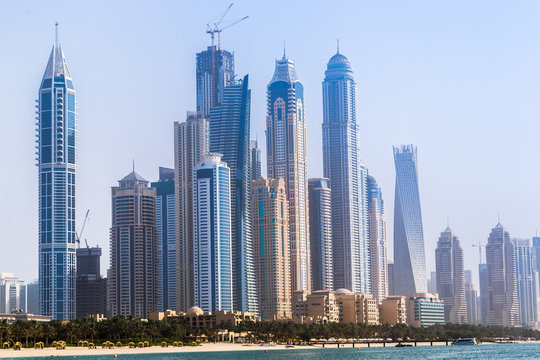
<point x="133" y="165"/>
<point x="56" y="33"/>
<point x="338" y="46"/>
<point x="498" y="218"/>
<point x="447" y="223"/>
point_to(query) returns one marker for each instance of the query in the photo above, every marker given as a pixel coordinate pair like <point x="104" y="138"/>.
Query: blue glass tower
<point x="212" y="234"/>
<point x="229" y="135"/>
<point x="348" y="177"/>
<point x="215" y="71"/>
<point x="166" y="244"/>
<point x="409" y="255"/>
<point x="56" y="126"/>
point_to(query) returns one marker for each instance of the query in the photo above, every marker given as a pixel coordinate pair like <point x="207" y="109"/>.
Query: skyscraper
<point x="57" y="117"/>
<point x="190" y="144"/>
<point x="536" y="252"/>
<point x="255" y="153"/>
<point x="409" y="255"/>
<point x="484" y="294"/>
<point x="320" y="233"/>
<point x="229" y="135"/>
<point x="471" y="298"/>
<point x="91" y="287"/>
<point x="212" y="234"/>
<point x="451" y="277"/>
<point x="526" y="283"/>
<point x="377" y="240"/>
<point x="133" y="277"/>
<point x="390" y="272"/>
<point x="166" y="242"/>
<point x="341" y="164"/>
<point x="503" y="309"/>
<point x="270" y="214"/>
<point x="215" y="71"/>
<point x="287" y="159"/>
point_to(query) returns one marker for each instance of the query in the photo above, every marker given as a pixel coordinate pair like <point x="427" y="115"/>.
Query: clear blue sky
<point x="460" y="79"/>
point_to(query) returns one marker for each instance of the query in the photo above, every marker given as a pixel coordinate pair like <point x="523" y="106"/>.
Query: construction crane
<point x="479" y="246"/>
<point x="78" y="236"/>
<point x="215" y="28"/>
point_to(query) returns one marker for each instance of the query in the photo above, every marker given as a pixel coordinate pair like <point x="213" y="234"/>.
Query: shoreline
<point x="207" y="347"/>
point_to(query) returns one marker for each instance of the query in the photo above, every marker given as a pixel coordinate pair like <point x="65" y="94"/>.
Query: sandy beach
<point x="207" y="347"/>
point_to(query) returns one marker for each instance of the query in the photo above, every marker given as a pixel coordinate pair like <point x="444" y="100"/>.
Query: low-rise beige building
<point x="424" y="309"/>
<point x="393" y="310"/>
<point x="199" y="319"/>
<point x="324" y="306"/>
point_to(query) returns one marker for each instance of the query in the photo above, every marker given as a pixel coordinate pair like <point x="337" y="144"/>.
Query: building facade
<point x="166" y="226"/>
<point x="471" y="298"/>
<point x="287" y="159"/>
<point x="229" y="135"/>
<point x="215" y="71"/>
<point x="56" y="139"/>
<point x="191" y="142"/>
<point x="503" y="307"/>
<point x="526" y="283"/>
<point x="393" y="310"/>
<point x="271" y="248"/>
<point x="390" y="274"/>
<point x="320" y="228"/>
<point x="13" y="294"/>
<point x="424" y="309"/>
<point x="484" y="294"/>
<point x="91" y="287"/>
<point x="377" y="240"/>
<point x="212" y="234"/>
<point x="341" y="164"/>
<point x="451" y="277"/>
<point x="409" y="255"/>
<point x="133" y="277"/>
<point x="255" y="159"/>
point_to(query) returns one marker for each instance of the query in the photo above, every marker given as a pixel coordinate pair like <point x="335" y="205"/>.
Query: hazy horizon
<point x="459" y="80"/>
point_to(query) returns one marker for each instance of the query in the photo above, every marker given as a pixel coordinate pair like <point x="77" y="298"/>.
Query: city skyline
<point x="97" y="228"/>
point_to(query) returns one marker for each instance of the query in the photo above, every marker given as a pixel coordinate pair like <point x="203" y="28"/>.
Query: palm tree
<point x="35" y="330"/>
<point x="48" y="332"/>
<point x="4" y="326"/>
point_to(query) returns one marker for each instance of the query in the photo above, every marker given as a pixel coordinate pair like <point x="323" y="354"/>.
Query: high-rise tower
<point x="409" y="255"/>
<point x="255" y="159"/>
<point x="503" y="308"/>
<point x="166" y="226"/>
<point x="56" y="127"/>
<point x="212" y="234"/>
<point x="320" y="233"/>
<point x="270" y="216"/>
<point x="377" y="240"/>
<point x="341" y="163"/>
<point x="133" y="276"/>
<point x="215" y="71"/>
<point x="229" y="135"/>
<point x="526" y="283"/>
<point x="451" y="277"/>
<point x="287" y="160"/>
<point x="190" y="144"/>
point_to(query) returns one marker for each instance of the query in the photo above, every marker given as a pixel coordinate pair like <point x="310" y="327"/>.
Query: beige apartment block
<point x="357" y="308"/>
<point x="393" y="310"/>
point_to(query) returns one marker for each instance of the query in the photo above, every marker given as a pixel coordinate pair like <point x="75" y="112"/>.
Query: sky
<point x="459" y="79"/>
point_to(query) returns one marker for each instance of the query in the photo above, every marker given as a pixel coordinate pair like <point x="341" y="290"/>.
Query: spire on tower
<point x="56" y="33"/>
<point x="338" y="46"/>
<point x="284" y="55"/>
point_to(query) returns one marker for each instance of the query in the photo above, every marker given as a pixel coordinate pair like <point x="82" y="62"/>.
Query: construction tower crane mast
<point x="214" y="28"/>
<point x="479" y="246"/>
<point x="78" y="236"/>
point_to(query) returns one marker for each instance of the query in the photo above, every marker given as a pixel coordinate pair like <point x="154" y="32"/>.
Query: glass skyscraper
<point x="212" y="234"/>
<point x="377" y="240"/>
<point x="287" y="160"/>
<point x="526" y="283"/>
<point x="56" y="126"/>
<point x="348" y="177"/>
<point x="215" y="71"/>
<point x="166" y="242"/>
<point x="320" y="228"/>
<point x="229" y="135"/>
<point x="409" y="255"/>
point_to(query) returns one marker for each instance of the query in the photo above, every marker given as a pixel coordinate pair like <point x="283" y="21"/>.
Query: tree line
<point x="126" y="329"/>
